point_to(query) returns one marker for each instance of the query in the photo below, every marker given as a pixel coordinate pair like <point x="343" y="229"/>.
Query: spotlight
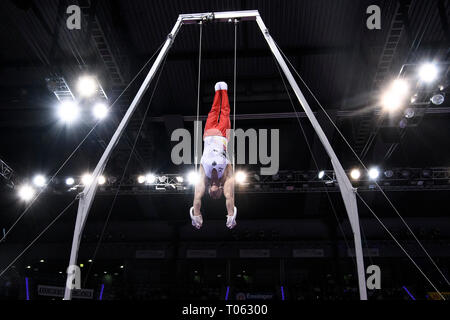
<point x="409" y="113"/>
<point x="355" y="174"/>
<point x="438" y="99"/>
<point x="374" y="173"/>
<point x="428" y="72"/>
<point x="241" y="177"/>
<point x="180" y="179"/>
<point x="100" y="111"/>
<point x="39" y="181"/>
<point x="193" y="178"/>
<point x="321" y="175"/>
<point x="70" y="181"/>
<point x="87" y="86"/>
<point x="86" y="179"/>
<point x="389" y="173"/>
<point x="101" y="180"/>
<point x="150" y="178"/>
<point x="395" y="95"/>
<point x="68" y="111"/>
<point x="26" y="193"/>
<point x="141" y="179"/>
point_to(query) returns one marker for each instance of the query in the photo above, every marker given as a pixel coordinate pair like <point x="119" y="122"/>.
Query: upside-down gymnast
<point x="216" y="172"/>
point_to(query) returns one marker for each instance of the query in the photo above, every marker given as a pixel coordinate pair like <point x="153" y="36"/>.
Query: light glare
<point x="193" y="178"/>
<point x="150" y="178"/>
<point x="428" y="72"/>
<point x="241" y="177"/>
<point x="70" y="181"/>
<point x="39" y="181"/>
<point x="355" y="174"/>
<point x="26" y="193"/>
<point x="141" y="179"/>
<point x="68" y="111"/>
<point x="374" y="173"/>
<point x="101" y="180"/>
<point x="321" y="174"/>
<point x="87" y="86"/>
<point x="393" y="98"/>
<point x="100" y="111"/>
<point x="86" y="179"/>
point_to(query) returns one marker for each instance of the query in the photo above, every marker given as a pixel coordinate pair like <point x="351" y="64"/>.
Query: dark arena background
<point x="376" y="75"/>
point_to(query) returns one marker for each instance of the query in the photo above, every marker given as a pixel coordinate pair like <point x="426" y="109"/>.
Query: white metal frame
<point x="346" y="188"/>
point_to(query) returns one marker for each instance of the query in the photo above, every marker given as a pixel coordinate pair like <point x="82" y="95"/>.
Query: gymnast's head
<point x="215" y="190"/>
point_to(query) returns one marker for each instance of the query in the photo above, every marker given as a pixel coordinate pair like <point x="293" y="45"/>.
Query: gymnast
<point x="216" y="171"/>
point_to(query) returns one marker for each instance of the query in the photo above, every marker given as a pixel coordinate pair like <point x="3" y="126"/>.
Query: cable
<point x="75" y="150"/>
<point x="198" y="97"/>
<point x="363" y="165"/>
<point x="124" y="173"/>
<point x="234" y="91"/>
<point x="38" y="237"/>
<point x="401" y="247"/>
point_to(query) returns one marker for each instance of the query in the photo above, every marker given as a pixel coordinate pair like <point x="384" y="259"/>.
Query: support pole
<point x="347" y="190"/>
<point x="87" y="196"/>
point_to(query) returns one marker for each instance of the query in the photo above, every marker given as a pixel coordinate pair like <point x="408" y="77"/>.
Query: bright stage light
<point x="355" y="174"/>
<point x="39" y="181"/>
<point x="428" y="72"/>
<point x="87" y="86"/>
<point x="101" y="180"/>
<point x="100" y="111"/>
<point x="241" y="177"/>
<point x="374" y="173"/>
<point x="141" y="179"/>
<point x="193" y="177"/>
<point x="321" y="175"/>
<point x="68" y="111"/>
<point x="400" y="86"/>
<point x="150" y="178"/>
<point x="26" y="193"/>
<point x="180" y="179"/>
<point x="70" y="181"/>
<point x="395" y="95"/>
<point x="86" y="179"/>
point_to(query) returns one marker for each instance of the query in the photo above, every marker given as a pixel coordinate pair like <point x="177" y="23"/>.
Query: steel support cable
<point x="234" y="103"/>
<point x="38" y="236"/>
<point x="198" y="97"/>
<point x="398" y="243"/>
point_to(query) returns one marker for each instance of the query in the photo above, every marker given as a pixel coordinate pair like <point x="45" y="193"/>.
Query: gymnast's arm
<point x="228" y="189"/>
<point x="199" y="192"/>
